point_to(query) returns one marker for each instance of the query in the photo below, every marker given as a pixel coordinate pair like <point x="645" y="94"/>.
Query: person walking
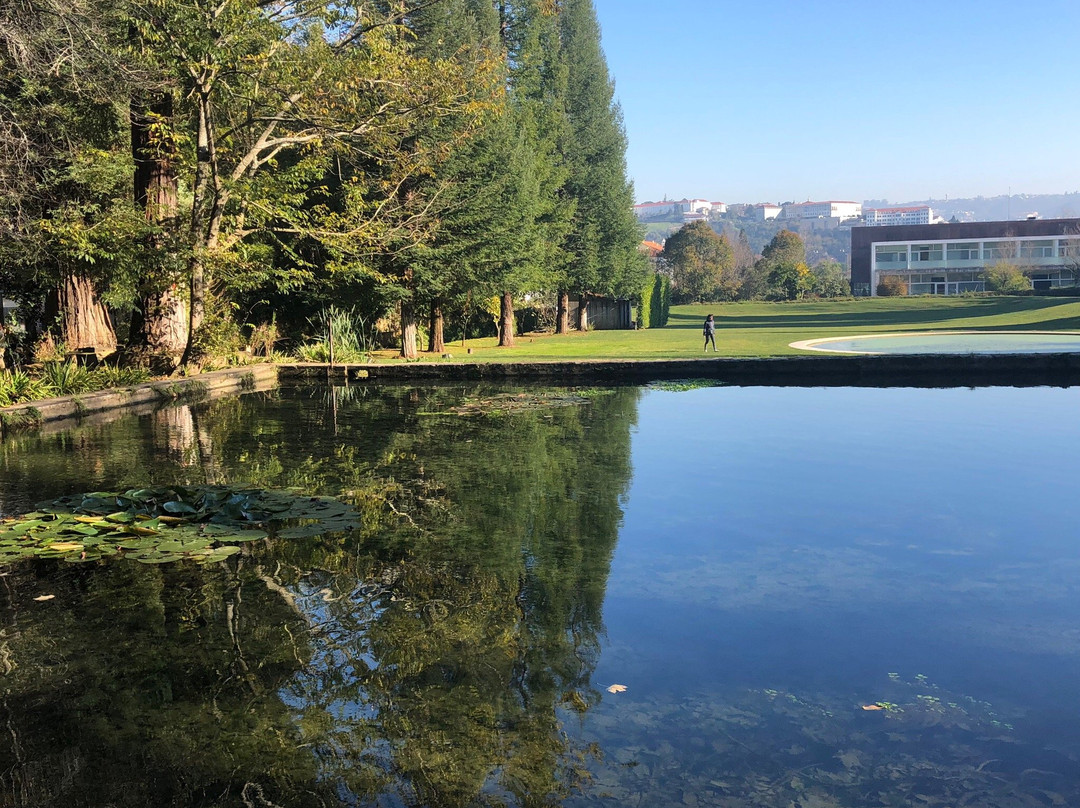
<point x="709" y="331"/>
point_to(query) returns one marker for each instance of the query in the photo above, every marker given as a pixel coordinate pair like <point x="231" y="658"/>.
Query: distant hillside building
<point x="823" y="210"/>
<point x="717" y="208"/>
<point x="765" y="211"/>
<point x="673" y="209"/>
<point x="952" y="258"/>
<point x="919" y="214"/>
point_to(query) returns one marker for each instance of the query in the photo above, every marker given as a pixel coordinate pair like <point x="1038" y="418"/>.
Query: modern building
<point x="918" y="214"/>
<point x="766" y="211"/>
<point x="823" y="210"/>
<point x="952" y="258"/>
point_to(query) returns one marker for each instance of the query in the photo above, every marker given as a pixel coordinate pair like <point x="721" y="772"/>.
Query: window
<point x="926" y="252"/>
<point x="892" y="254"/>
<point x="963" y="252"/>
<point x="996" y="250"/>
<point x="1037" y="249"/>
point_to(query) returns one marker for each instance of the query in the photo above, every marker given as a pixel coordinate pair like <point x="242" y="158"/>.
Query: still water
<point x="755" y="566"/>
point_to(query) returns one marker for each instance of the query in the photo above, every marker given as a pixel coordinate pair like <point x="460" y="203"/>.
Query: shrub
<point x="17" y="386"/>
<point x="891" y="286"/>
<point x="105" y="377"/>
<point x="655" y="303"/>
<point x="67" y="378"/>
<point x="1006" y="278"/>
<point x="352" y="340"/>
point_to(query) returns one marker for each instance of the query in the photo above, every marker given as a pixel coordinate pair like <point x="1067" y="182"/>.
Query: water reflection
<point x="426" y="659"/>
<point x="785" y="557"/>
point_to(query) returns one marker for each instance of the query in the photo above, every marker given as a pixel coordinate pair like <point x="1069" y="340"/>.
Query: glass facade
<point x="952" y="268"/>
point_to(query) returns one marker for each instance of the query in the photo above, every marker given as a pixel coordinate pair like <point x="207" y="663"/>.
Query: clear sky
<point x="771" y="101"/>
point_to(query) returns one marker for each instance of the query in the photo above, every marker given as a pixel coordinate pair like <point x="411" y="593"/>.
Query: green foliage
<point x="830" y="280"/>
<point x="789" y="281"/>
<point x="1006" y="278"/>
<point x="684" y="385"/>
<point x="159" y="525"/>
<point x="891" y="286"/>
<point x="107" y="376"/>
<point x="351" y="335"/>
<point x="17" y="386"/>
<point x="653" y="309"/>
<point x="67" y="378"/>
<point x="702" y="264"/>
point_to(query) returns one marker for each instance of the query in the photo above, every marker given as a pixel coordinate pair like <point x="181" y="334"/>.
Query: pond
<point x="949" y="342"/>
<point x="696" y="596"/>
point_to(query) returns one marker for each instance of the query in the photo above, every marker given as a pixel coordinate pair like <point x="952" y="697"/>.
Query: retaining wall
<point x="64" y="411"/>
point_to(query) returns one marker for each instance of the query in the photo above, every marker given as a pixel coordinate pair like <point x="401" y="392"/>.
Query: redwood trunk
<point x="583" y="313"/>
<point x="436" y="344"/>
<point x="408" y="330"/>
<point x="84" y="320"/>
<point x="160" y="321"/>
<point x="562" y="319"/>
<point x="506" y="321"/>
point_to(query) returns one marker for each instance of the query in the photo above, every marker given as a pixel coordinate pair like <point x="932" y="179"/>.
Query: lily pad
<point x="159" y="525"/>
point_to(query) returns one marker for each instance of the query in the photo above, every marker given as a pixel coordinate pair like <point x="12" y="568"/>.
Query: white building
<point x="919" y="214"/>
<point x="823" y="210"/>
<point x="672" y="208"/>
<point x="717" y="208"/>
<point x="766" y="211"/>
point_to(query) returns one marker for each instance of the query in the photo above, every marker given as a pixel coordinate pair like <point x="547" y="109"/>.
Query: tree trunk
<point x="506" y="321"/>
<point x="84" y="320"/>
<point x="583" y="313"/>
<point x="562" y="318"/>
<point x="203" y="230"/>
<point x="408" y="330"/>
<point x="436" y="344"/>
<point x="160" y="320"/>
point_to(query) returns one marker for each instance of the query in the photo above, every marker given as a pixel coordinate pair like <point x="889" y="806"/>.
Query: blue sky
<point x="757" y="101"/>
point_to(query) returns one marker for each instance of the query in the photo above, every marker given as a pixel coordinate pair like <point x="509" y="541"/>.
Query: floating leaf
<point x="40" y="598"/>
<point x="179" y="507"/>
<point x="156" y="525"/>
<point x="616" y="689"/>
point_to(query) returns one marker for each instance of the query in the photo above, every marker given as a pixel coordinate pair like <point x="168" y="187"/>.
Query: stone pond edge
<point x="933" y="370"/>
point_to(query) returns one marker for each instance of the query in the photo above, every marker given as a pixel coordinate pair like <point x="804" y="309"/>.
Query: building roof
<point x="911" y="209"/>
<point x="823" y="202"/>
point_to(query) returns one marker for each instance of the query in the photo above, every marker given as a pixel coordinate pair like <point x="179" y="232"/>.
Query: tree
<point x="1006" y="277"/>
<point x="308" y="121"/>
<point x="702" y="264"/>
<point x="603" y="240"/>
<point x="69" y="231"/>
<point x="830" y="280"/>
<point x="782" y="273"/>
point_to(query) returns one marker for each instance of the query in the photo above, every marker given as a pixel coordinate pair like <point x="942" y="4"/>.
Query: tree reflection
<point x="429" y="658"/>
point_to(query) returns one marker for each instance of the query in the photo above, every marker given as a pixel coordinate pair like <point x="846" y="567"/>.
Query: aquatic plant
<point x="682" y="385"/>
<point x="158" y="525"/>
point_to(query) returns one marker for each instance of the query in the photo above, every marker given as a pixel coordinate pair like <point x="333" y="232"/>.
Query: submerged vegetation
<point x="159" y="525"/>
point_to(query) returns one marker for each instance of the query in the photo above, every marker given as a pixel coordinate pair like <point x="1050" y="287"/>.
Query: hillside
<point x="995" y="208"/>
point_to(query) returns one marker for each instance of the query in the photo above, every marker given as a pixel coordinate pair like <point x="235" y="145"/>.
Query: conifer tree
<point x="603" y="241"/>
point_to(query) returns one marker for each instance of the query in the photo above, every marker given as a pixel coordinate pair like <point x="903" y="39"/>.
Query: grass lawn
<point x="767" y="329"/>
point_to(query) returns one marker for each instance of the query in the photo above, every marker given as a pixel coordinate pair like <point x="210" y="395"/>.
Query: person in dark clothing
<point x="710" y="333"/>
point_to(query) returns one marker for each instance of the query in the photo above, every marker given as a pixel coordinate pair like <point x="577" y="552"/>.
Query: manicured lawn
<point x="767" y="329"/>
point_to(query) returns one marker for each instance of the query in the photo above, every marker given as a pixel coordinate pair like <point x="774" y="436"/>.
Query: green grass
<point x="767" y="329"/>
